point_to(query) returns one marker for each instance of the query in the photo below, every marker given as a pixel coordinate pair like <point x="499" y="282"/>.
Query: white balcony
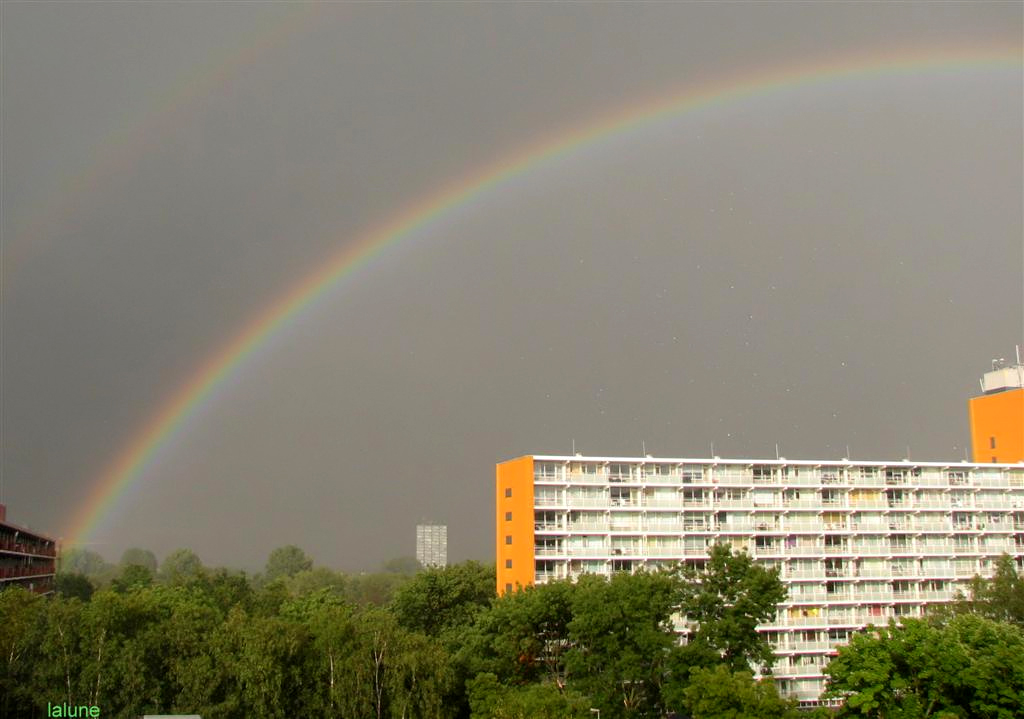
<point x="587" y="551"/>
<point x="794" y="526"/>
<point x="806" y="670"/>
<point x="588" y="527"/>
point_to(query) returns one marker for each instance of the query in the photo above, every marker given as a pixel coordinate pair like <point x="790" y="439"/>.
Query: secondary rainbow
<point x="133" y="459"/>
<point x="128" y="142"/>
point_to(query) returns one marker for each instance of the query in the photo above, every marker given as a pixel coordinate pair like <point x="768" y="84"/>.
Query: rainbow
<point x="130" y="464"/>
<point x="122" y="148"/>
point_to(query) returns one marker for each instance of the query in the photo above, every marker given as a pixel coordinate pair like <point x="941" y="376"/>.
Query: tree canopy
<point x="725" y="600"/>
<point x="286" y="561"/>
<point x="439" y="644"/>
<point x="970" y="666"/>
<point x="181" y="565"/>
<point x="139" y="557"/>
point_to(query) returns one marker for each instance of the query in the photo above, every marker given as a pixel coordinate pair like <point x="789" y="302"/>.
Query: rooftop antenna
<point x="847" y="451"/>
<point x="643" y="445"/>
<point x="712" y="449"/>
<point x="574" y="447"/>
<point x="1020" y="369"/>
<point x="908" y="452"/>
<point x="776" y="450"/>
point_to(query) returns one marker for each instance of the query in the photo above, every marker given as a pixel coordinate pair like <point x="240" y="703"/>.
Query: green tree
<point x="620" y="639"/>
<point x="268" y="667"/>
<point x="225" y="588"/>
<point x="968" y="667"/>
<point x="286" y="561"/>
<point x="1001" y="597"/>
<point x="719" y="693"/>
<point x="524" y="636"/>
<point x="79" y="560"/>
<point x="133" y="576"/>
<point x="311" y="581"/>
<point x="726" y="599"/>
<point x="139" y="557"/>
<point x="377" y="588"/>
<point x="389" y="672"/>
<point x="333" y="628"/>
<point x="73" y="584"/>
<point x="21" y="617"/>
<point x="180" y="567"/>
<point x="488" y="699"/>
<point x="193" y="633"/>
<point x="402" y="565"/>
<point x="443" y="598"/>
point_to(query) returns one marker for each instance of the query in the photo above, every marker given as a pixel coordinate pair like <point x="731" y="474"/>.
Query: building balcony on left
<point x="27" y="558"/>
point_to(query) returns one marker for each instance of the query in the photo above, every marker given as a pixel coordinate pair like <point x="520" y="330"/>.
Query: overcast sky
<point x="826" y="266"/>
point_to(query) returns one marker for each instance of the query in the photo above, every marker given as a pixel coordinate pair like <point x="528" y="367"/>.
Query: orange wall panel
<point x="997" y="418"/>
<point x="514" y="520"/>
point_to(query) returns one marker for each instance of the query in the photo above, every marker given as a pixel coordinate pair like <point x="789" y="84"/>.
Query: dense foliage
<point x="305" y="641"/>
<point x="969" y="666"/>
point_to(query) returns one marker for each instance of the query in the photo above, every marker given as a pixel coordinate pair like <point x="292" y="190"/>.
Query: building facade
<point x="432" y="545"/>
<point x="856" y="543"/>
<point x="27" y="558"/>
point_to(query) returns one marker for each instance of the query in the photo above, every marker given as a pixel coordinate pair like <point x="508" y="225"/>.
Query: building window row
<point x="689" y="473"/>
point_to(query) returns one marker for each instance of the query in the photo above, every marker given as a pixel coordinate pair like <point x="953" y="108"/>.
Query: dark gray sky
<point x="823" y="266"/>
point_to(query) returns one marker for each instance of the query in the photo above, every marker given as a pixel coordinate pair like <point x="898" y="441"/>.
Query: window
<point x="991" y="442"/>
<point x="692" y="473"/>
<point x="622" y="497"/>
<point x="693" y="496"/>
<point x="508" y="539"/>
<point x="508" y="516"/>
<point x="545" y="470"/>
<point x="618" y="472"/>
<point x="508" y="564"/>
<point x="508" y="587"/>
<point x="508" y="491"/>
<point x="895" y="476"/>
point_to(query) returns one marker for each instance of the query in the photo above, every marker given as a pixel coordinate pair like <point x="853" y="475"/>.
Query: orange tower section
<point x="514" y="521"/>
<point x="997" y="416"/>
<point x="997" y="426"/>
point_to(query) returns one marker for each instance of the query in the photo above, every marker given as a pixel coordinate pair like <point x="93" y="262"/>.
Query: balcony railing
<point x="30" y="548"/>
<point x="20" y="572"/>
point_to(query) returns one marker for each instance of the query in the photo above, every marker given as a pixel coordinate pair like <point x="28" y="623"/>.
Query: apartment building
<point x="856" y="543"/>
<point x="27" y="558"/>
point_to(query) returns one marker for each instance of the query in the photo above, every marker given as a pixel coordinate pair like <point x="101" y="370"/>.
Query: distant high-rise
<point x="432" y="545"/>
<point x="997" y="415"/>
